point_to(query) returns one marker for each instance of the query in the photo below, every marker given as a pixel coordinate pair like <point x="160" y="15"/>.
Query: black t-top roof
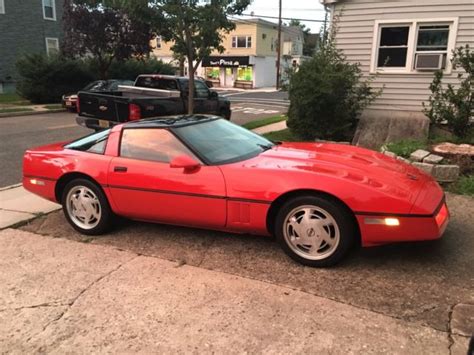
<point x="170" y="121"/>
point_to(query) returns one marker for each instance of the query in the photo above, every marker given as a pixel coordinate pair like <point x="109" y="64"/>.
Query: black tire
<point x="104" y="223"/>
<point x="226" y="114"/>
<point x="339" y="213"/>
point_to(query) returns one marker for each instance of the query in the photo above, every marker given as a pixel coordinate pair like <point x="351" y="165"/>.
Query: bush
<point x="130" y="69"/>
<point x="451" y="105"/>
<point x="327" y="94"/>
<point x="45" y="79"/>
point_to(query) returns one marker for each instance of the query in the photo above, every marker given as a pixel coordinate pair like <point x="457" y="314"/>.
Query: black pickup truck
<point x="150" y="96"/>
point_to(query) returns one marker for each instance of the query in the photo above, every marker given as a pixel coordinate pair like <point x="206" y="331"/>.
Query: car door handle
<point x="120" y="169"/>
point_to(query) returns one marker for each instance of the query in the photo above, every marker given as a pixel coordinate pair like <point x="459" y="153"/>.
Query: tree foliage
<point x="450" y="104"/>
<point x="107" y="33"/>
<point x="327" y="94"/>
<point x="196" y="28"/>
<point x="308" y="46"/>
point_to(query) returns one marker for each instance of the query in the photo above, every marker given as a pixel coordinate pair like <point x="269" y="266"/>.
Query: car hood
<point x="345" y="162"/>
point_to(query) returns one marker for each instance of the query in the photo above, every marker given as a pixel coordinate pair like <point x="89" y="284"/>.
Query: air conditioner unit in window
<point x="429" y="61"/>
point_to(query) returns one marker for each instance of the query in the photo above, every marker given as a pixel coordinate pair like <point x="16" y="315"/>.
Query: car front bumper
<point x="382" y="229"/>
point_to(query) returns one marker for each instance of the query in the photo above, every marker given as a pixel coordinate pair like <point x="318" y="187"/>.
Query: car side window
<point x="154" y="144"/>
<point x="202" y="91"/>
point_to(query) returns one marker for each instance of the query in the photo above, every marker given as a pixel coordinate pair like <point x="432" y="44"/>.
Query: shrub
<point x="130" y="69"/>
<point x="45" y="79"/>
<point x="327" y="94"/>
<point x="451" y="105"/>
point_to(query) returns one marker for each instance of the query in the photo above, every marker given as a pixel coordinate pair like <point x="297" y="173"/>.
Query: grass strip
<point x="264" y="122"/>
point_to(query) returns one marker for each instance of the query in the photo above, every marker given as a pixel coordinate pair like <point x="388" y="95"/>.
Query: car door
<point x="144" y="186"/>
<point x="203" y="102"/>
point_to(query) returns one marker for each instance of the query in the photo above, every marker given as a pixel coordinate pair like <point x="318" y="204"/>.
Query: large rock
<point x="446" y="173"/>
<point x="428" y="168"/>
<point x="419" y="155"/>
<point x="377" y="127"/>
<point x="433" y="159"/>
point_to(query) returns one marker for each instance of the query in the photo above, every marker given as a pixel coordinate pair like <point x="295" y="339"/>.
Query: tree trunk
<point x="191" y="87"/>
<point x="181" y="66"/>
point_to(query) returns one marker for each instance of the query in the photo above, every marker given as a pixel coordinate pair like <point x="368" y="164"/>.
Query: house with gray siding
<point x="402" y="44"/>
<point x="27" y="26"/>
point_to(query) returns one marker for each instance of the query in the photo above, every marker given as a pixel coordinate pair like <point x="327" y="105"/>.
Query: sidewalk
<point x="279" y="126"/>
<point x="60" y="296"/>
<point x="18" y="205"/>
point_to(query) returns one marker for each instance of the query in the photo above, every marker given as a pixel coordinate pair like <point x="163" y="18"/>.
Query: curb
<point x="10" y="186"/>
<point x="31" y="113"/>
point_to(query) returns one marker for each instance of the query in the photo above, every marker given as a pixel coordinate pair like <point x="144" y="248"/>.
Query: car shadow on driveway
<point x="418" y="282"/>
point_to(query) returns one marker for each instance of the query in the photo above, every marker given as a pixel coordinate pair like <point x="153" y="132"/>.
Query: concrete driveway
<point x="423" y="285"/>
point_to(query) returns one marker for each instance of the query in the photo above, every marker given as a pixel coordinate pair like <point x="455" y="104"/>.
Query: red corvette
<point x="318" y="199"/>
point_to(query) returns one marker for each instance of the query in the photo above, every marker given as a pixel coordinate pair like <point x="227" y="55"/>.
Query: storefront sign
<point x="225" y="61"/>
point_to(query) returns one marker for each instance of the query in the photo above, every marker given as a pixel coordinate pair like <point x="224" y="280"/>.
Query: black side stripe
<point x="187" y="194"/>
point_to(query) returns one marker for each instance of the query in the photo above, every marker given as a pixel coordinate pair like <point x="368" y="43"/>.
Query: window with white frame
<point x="413" y="46"/>
<point x="49" y="10"/>
<point x="158" y="42"/>
<point x="241" y="42"/>
<point x="2" y="6"/>
<point x="52" y="46"/>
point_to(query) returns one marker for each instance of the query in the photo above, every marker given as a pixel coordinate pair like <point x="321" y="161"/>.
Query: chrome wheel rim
<point x="83" y="207"/>
<point x="311" y="232"/>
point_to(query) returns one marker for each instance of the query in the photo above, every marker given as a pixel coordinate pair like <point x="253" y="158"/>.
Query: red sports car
<point x="318" y="199"/>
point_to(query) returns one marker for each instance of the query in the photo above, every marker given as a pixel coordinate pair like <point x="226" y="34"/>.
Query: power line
<point x="283" y="18"/>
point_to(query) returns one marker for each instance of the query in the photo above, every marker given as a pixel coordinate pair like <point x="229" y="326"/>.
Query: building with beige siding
<point x="404" y="43"/>
<point x="249" y="58"/>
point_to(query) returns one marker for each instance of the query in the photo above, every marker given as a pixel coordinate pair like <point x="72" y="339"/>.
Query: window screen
<point x="433" y="38"/>
<point x="393" y="46"/>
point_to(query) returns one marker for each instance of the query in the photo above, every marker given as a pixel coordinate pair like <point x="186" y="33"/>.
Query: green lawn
<point x="264" y="122"/>
<point x="53" y="106"/>
<point x="464" y="186"/>
<point x="15" y="109"/>
<point x="282" y="136"/>
<point x="13" y="99"/>
<point x="404" y="148"/>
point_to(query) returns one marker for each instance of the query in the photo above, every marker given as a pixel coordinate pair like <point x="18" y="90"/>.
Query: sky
<point x="301" y="9"/>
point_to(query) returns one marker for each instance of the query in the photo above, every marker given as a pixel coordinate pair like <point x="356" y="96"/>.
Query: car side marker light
<point x="389" y="221"/>
<point x="37" y="182"/>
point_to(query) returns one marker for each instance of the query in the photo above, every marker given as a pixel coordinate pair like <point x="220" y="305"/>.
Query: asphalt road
<point x="22" y="132"/>
<point x="416" y="282"/>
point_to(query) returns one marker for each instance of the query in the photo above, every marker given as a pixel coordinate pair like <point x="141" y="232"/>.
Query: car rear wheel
<point x="86" y="207"/>
<point x="315" y="231"/>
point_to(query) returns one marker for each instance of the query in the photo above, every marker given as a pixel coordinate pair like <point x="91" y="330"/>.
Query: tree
<point x="327" y="93"/>
<point x="195" y="28"/>
<point x="107" y="33"/>
<point x="450" y="104"/>
<point x="309" y="44"/>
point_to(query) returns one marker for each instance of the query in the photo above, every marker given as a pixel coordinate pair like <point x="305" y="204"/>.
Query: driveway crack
<point x="71" y="303"/>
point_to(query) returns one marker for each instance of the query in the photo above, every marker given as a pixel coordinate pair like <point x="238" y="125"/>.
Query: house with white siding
<point x="402" y="43"/>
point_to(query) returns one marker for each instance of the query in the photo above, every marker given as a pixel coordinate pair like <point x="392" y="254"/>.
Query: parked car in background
<point x="317" y="199"/>
<point x="69" y="101"/>
<point x="151" y="95"/>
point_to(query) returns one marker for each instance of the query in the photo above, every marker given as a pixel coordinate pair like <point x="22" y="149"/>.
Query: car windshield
<point x="220" y="141"/>
<point x="93" y="143"/>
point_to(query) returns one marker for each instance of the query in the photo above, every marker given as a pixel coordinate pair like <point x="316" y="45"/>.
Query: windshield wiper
<point x="265" y="147"/>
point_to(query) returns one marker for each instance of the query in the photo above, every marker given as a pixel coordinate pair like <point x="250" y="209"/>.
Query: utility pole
<point x="279" y="47"/>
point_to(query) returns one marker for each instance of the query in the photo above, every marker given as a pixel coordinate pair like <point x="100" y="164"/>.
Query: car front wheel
<point x="315" y="231"/>
<point x="86" y="207"/>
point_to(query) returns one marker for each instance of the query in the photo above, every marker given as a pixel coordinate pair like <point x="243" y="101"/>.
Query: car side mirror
<point x="213" y="94"/>
<point x="185" y="162"/>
